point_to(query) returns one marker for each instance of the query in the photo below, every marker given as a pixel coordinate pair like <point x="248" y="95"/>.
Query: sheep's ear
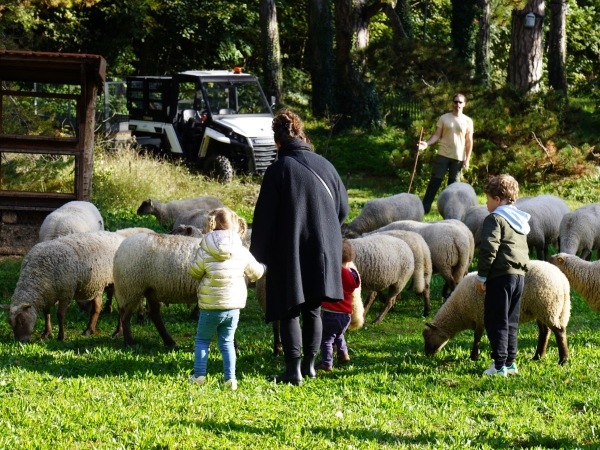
<point x="560" y="259"/>
<point x="5" y="307"/>
<point x="150" y="202"/>
<point x="25" y="306"/>
<point x="431" y="325"/>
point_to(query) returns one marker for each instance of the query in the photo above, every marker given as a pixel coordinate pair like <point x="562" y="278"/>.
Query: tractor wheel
<point x="219" y="167"/>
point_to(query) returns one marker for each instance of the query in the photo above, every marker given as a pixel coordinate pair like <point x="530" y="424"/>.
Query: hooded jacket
<point x="503" y="249"/>
<point x="220" y="264"/>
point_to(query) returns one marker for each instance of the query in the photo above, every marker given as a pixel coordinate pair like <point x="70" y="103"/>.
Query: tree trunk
<point x="526" y="51"/>
<point x="403" y="11"/>
<point x="271" y="51"/>
<point x="321" y="57"/>
<point x="482" y="48"/>
<point x="462" y="29"/>
<point x="396" y="22"/>
<point x="343" y="14"/>
<point x="557" y="46"/>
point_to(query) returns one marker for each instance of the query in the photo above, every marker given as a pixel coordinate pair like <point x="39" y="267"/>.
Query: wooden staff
<point x="416" y="160"/>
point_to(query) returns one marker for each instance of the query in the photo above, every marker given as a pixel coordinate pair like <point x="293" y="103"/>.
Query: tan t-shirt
<point x="454" y="133"/>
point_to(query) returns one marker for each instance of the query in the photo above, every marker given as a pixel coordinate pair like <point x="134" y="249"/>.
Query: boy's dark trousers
<point x="501" y="316"/>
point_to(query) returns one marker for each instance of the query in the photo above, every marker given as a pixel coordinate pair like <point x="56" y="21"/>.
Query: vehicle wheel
<point x="219" y="167"/>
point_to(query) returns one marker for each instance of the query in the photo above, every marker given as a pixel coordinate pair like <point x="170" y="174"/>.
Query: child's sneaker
<point x="493" y="371"/>
<point x="343" y="357"/>
<point x="231" y="384"/>
<point x="323" y="366"/>
<point x="197" y="380"/>
<point x="512" y="369"/>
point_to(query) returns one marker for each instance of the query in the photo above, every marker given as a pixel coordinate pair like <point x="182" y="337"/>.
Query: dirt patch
<point x="20" y="232"/>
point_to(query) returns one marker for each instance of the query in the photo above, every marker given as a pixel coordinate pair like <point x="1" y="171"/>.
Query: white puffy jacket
<point x="220" y="264"/>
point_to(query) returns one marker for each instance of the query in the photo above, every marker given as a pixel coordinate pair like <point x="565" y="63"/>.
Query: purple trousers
<point x="334" y="326"/>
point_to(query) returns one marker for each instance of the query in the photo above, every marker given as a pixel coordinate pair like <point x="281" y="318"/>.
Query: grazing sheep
<point x="382" y="261"/>
<point x="546" y="213"/>
<point x="72" y="217"/>
<point x="77" y="266"/>
<point x="166" y="213"/>
<point x="455" y="199"/>
<point x="473" y="219"/>
<point x="154" y="266"/>
<point x="583" y="275"/>
<point x="580" y="231"/>
<point x="195" y="217"/>
<point x="546" y="299"/>
<point x="356" y="319"/>
<point x="382" y="211"/>
<point x="423" y="266"/>
<point x="449" y="245"/>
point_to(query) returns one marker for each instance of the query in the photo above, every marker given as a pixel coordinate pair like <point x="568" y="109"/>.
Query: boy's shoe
<point x="493" y="371"/>
<point x="512" y="369"/>
<point x="231" y="384"/>
<point x="197" y="380"/>
<point x="343" y="357"/>
<point x="323" y="366"/>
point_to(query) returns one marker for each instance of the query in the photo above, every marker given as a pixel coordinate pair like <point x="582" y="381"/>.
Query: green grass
<point x="91" y="392"/>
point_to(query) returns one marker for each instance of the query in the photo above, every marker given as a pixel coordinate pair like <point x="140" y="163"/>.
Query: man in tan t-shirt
<point x="455" y="133"/>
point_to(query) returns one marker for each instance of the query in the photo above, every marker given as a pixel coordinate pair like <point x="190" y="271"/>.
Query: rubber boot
<point x="291" y="375"/>
<point x="432" y="188"/>
<point x="308" y="366"/>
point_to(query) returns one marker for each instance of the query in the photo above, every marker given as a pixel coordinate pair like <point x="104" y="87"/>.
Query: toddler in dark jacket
<point x="336" y="316"/>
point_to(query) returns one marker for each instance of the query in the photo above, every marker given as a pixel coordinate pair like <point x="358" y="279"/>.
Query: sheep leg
<point x="47" y="325"/>
<point x="426" y="302"/>
<point x="277" y="347"/>
<point x="561" y="341"/>
<point x="370" y="299"/>
<point x="542" y="341"/>
<point x="60" y="314"/>
<point x="141" y="312"/>
<point x="125" y="326"/>
<point x="393" y="294"/>
<point x="479" y="329"/>
<point x="449" y="286"/>
<point x="110" y="291"/>
<point x="586" y="254"/>
<point x="156" y="317"/>
<point x="195" y="314"/>
<point x="96" y="308"/>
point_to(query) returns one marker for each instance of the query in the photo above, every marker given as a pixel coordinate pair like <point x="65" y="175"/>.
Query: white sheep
<point x="449" y="245"/>
<point x="546" y="298"/>
<point x="195" y="217"/>
<point x="77" y="266"/>
<point x="583" y="275"/>
<point x="455" y="199"/>
<point x="381" y="211"/>
<point x="423" y="267"/>
<point x="72" y="217"/>
<point x="580" y="231"/>
<point x="166" y="213"/>
<point x="154" y="266"/>
<point x="383" y="262"/>
<point x="546" y="213"/>
<point x="473" y="219"/>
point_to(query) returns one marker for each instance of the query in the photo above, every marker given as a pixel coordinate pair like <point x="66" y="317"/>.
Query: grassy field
<point x="91" y="392"/>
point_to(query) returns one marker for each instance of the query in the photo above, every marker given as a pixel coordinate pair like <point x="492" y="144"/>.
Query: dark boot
<point x="291" y="375"/>
<point x="308" y="366"/>
<point x="432" y="188"/>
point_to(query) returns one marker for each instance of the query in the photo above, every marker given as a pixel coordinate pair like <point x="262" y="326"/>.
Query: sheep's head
<point x="146" y="208"/>
<point x="187" y="230"/>
<point x="22" y="320"/>
<point x="558" y="260"/>
<point x="435" y="339"/>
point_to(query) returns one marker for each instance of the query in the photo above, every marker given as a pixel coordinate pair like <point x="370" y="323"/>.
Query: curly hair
<point x="347" y="251"/>
<point x="225" y="219"/>
<point x="288" y="125"/>
<point x="503" y="186"/>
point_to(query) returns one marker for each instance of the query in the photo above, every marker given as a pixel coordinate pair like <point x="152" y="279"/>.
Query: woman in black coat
<point x="296" y="234"/>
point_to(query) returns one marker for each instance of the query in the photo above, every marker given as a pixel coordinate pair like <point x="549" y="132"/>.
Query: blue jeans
<point x="224" y="323"/>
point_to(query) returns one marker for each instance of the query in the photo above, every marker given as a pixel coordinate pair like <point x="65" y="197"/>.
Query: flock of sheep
<point x="77" y="259"/>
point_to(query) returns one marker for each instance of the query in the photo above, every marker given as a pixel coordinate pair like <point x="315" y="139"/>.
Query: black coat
<point x="296" y="230"/>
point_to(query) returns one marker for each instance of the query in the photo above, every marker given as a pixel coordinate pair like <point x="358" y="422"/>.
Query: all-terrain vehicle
<point x="218" y="119"/>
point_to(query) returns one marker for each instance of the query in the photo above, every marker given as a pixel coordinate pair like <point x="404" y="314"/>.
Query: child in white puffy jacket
<point x="220" y="264"/>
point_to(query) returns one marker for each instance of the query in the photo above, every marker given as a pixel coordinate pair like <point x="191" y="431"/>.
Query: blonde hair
<point x="503" y="186"/>
<point x="225" y="219"/>
<point x="288" y="125"/>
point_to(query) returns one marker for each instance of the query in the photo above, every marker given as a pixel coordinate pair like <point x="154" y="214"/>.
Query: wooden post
<point x="416" y="160"/>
